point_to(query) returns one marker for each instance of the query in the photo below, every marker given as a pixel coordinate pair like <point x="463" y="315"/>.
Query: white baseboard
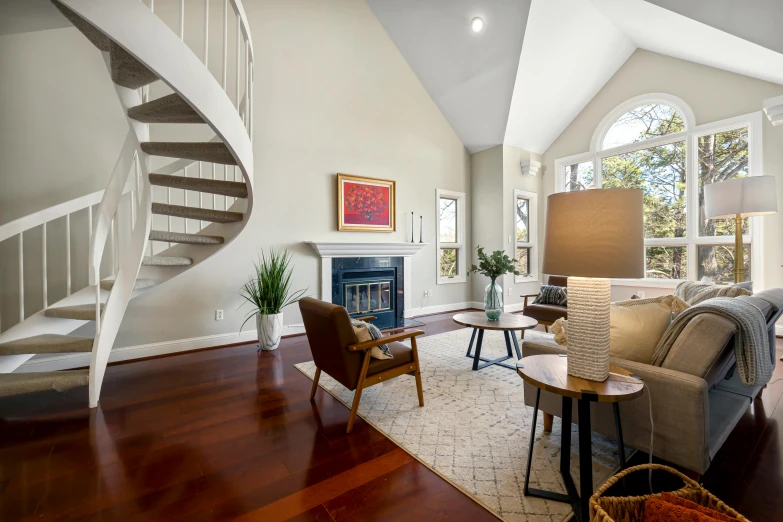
<point x="516" y="307"/>
<point x="779" y="329"/>
<point x="127" y="353"/>
<point x="440" y="309"/>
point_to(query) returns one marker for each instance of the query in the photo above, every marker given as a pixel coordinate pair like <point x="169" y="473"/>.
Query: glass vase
<point x="493" y="301"/>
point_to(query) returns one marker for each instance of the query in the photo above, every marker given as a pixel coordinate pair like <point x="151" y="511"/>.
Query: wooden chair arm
<point x="383" y="340"/>
<point x="366" y="319"/>
<point x="527" y="296"/>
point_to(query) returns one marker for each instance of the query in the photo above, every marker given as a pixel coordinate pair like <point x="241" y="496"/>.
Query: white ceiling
<point x="24" y="16"/>
<point x="565" y="61"/>
<point x="757" y="21"/>
<point x="469" y="76"/>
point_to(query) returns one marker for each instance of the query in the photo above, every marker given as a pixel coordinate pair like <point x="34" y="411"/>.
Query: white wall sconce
<point x="530" y="167"/>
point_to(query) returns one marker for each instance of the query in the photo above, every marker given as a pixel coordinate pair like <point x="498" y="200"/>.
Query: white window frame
<point x="753" y="121"/>
<point x="532" y="230"/>
<point x="462" y="270"/>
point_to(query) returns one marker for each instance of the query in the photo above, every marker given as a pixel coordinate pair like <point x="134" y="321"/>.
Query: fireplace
<point x="370" y="286"/>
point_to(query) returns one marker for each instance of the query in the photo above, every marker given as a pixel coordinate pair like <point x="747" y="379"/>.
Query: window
<point x="451" y="237"/>
<point x="525" y="230"/>
<point x="651" y="143"/>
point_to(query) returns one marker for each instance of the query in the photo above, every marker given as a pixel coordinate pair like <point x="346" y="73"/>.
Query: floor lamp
<point x="591" y="236"/>
<point x="738" y="198"/>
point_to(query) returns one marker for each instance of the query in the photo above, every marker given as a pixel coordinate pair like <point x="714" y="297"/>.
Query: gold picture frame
<point x="366" y="204"/>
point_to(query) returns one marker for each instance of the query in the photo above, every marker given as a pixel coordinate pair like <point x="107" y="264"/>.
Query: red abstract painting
<point x="366" y="205"/>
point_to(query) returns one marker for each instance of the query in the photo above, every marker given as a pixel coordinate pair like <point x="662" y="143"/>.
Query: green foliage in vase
<point x="268" y="290"/>
<point x="494" y="265"/>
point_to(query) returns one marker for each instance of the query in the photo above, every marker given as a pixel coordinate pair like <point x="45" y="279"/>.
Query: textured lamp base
<point x="588" y="327"/>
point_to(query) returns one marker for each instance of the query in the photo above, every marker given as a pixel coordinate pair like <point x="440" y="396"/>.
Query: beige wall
<point x="713" y="94"/>
<point x="332" y="94"/>
<point x="486" y="190"/>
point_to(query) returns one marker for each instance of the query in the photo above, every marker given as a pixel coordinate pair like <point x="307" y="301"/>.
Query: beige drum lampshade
<point x="595" y="233"/>
<point x="751" y="196"/>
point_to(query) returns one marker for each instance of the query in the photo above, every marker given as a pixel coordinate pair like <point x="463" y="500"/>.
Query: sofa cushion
<point x="552" y="295"/>
<point x="544" y="312"/>
<point x="636" y="326"/>
<point x="401" y="354"/>
<point x="702" y="348"/>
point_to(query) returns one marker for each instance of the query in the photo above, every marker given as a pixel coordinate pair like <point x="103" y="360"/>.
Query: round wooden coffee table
<point x="550" y="373"/>
<point x="507" y="323"/>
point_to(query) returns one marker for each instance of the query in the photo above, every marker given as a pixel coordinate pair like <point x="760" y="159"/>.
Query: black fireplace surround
<point x="370" y="286"/>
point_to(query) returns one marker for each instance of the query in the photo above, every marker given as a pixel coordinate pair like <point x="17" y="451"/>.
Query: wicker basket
<point x="631" y="509"/>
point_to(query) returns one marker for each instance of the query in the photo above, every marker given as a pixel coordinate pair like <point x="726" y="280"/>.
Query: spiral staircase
<point x="143" y="54"/>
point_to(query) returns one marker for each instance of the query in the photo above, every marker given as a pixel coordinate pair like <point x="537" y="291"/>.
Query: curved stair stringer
<point x="132" y="26"/>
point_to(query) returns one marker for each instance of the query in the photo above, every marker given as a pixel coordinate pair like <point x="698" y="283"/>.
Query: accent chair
<point x="546" y="314"/>
<point x="337" y="352"/>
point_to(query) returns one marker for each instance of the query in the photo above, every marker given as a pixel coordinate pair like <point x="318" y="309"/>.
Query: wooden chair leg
<point x="417" y="375"/>
<point x="358" y="395"/>
<point x="548" y="419"/>
<point x="315" y="384"/>
<point x="546" y="328"/>
<point x="523" y="334"/>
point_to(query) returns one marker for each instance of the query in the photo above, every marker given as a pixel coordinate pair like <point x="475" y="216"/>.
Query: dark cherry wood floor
<point x="224" y="434"/>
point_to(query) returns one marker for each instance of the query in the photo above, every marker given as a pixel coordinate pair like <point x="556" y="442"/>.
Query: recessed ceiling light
<point x="477" y="24"/>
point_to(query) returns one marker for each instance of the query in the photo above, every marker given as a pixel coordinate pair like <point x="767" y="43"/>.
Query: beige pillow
<point x="637" y="325"/>
<point x="363" y="334"/>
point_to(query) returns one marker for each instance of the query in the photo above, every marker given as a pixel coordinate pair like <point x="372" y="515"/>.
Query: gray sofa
<point x="697" y="395"/>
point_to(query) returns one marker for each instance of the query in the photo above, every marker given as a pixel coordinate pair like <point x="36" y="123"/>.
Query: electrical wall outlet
<point x="509" y="291"/>
<point x="218" y="315"/>
<point x="509" y="239"/>
<point x="428" y="293"/>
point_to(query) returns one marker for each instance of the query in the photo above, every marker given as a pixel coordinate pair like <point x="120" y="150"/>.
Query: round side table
<point x="507" y="323"/>
<point x="550" y="373"/>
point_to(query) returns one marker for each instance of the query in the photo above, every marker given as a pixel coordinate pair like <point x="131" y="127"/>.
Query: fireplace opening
<point x="370" y="286"/>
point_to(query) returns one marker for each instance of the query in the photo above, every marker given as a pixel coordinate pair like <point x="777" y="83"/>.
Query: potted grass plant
<point x="268" y="291"/>
<point x="493" y="266"/>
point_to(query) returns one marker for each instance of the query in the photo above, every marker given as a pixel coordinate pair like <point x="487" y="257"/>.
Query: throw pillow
<point x="366" y="332"/>
<point x="636" y="326"/>
<point x="718" y="291"/>
<point x="552" y="295"/>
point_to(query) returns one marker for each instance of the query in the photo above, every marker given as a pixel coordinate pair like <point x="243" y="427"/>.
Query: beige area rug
<point x="474" y="428"/>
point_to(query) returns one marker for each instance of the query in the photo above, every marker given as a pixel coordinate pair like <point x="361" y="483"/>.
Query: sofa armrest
<point x="541" y="348"/>
<point x="527" y="296"/>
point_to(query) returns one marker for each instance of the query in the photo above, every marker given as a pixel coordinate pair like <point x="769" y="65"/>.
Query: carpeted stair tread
<point x="21" y="383"/>
<point x="85" y="312"/>
<point x="234" y="189"/>
<point x="127" y="71"/>
<point x="188" y="239"/>
<point x="166" y="261"/>
<point x="168" y="109"/>
<point x="209" y="151"/>
<point x="47" y="343"/>
<point x="203" y="214"/>
<point x="97" y="38"/>
<point x="108" y="284"/>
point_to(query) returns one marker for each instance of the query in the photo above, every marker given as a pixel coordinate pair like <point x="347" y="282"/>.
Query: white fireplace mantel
<point x="327" y="251"/>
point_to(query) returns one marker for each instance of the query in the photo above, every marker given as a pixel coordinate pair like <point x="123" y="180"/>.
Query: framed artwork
<point x="365" y="204"/>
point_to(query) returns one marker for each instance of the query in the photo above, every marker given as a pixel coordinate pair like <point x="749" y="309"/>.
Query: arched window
<point x="652" y="143"/>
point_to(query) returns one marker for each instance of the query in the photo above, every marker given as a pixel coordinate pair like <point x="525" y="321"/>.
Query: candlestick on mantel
<point x="421" y="229"/>
<point x="412" y="241"/>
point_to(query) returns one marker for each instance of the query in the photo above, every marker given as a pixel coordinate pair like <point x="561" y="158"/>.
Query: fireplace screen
<point x="368" y="297"/>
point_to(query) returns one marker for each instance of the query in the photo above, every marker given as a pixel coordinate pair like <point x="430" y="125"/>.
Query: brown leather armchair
<point x="546" y="314"/>
<point x="336" y="351"/>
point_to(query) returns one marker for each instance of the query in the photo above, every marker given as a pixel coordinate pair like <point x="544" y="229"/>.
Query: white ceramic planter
<point x="270" y="329"/>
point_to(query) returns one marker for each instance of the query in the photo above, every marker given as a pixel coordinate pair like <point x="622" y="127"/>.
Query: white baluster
<point x="247" y="85"/>
<point x="185" y="197"/>
<point x="200" y="199"/>
<point x="152" y="5"/>
<point x="98" y="307"/>
<point x="132" y="209"/>
<point x="21" y="277"/>
<point x="225" y="42"/>
<point x="67" y="254"/>
<point x="239" y="57"/>
<point x="182" y="20"/>
<point x="206" y="34"/>
<point x="168" y="218"/>
<point x="115" y="258"/>
<point x="89" y="222"/>
<point x="252" y="98"/>
<point x="214" y="197"/>
<point x="44" y="278"/>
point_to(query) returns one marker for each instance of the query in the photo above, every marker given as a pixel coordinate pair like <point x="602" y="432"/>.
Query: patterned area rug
<point x="474" y="428"/>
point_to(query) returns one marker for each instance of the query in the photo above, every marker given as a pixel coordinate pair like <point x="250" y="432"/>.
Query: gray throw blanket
<point x="751" y="342"/>
<point x="375" y="333"/>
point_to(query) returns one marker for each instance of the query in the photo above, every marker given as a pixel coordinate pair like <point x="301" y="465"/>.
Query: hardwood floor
<point x="224" y="434"/>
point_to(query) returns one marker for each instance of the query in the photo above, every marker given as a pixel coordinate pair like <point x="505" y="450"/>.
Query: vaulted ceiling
<point x="537" y="63"/>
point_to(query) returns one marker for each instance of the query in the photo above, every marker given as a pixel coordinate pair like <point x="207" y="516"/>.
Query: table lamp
<point x="591" y="236"/>
<point x="738" y="198"/>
